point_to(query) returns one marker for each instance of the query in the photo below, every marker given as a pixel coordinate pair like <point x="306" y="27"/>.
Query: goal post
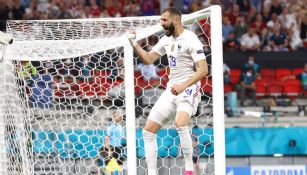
<point x="218" y="100"/>
<point x="130" y="110"/>
<point x="63" y="80"/>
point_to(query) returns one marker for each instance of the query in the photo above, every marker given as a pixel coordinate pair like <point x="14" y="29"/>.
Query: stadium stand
<point x="270" y="85"/>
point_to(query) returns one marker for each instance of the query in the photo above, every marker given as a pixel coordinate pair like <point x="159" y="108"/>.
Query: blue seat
<point x="43" y="141"/>
<point x="95" y="137"/>
<point x="89" y="142"/>
<point x="63" y="146"/>
<point x="42" y="93"/>
<point x="167" y="143"/>
<point x="173" y="150"/>
<point x="79" y="143"/>
<point x="79" y="139"/>
<point x="91" y="150"/>
<point x="162" y="143"/>
<point x="167" y="140"/>
<point x="140" y="144"/>
<point x="73" y="135"/>
<point x="206" y="142"/>
<point x="80" y="150"/>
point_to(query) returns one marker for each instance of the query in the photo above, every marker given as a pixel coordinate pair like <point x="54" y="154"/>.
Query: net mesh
<point x="63" y="99"/>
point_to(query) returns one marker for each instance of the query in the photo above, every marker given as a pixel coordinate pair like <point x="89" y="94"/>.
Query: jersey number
<point x="172" y="62"/>
<point x="188" y="91"/>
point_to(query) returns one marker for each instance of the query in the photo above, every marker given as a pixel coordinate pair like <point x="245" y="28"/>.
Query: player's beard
<point x="170" y="30"/>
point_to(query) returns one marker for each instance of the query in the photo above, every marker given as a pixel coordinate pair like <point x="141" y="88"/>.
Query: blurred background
<point x="265" y="71"/>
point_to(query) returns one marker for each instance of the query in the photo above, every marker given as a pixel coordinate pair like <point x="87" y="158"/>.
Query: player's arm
<point x="201" y="72"/>
<point x="146" y="57"/>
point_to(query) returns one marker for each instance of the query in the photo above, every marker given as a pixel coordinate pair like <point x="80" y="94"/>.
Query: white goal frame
<point x="218" y="94"/>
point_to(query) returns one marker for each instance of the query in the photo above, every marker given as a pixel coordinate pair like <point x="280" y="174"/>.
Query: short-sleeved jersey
<point x="182" y="53"/>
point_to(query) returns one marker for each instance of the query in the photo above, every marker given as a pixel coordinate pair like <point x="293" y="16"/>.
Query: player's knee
<point x="148" y="134"/>
<point x="183" y="129"/>
<point x="179" y="124"/>
<point x="152" y="126"/>
<point x="182" y="119"/>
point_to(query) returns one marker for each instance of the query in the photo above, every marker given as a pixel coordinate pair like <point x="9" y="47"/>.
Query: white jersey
<point x="182" y="53"/>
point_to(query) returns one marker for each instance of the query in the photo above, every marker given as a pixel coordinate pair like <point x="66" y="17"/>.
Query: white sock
<point x="186" y="146"/>
<point x="151" y="149"/>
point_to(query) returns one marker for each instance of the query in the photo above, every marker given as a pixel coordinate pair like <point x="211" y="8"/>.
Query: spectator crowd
<point x="269" y="25"/>
<point x="248" y="25"/>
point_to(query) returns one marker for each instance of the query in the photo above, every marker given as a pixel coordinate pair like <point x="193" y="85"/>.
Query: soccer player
<point x="180" y="100"/>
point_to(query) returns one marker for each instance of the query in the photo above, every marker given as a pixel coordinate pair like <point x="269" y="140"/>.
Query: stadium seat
<point x="293" y="82"/>
<point x="260" y="88"/>
<point x="269" y="80"/>
<point x="205" y="142"/>
<point x="139" y="144"/>
<point x="80" y="150"/>
<point x="99" y="90"/>
<point x="282" y="72"/>
<point x="274" y="90"/>
<point x="139" y="80"/>
<point x="206" y="85"/>
<point x="267" y="73"/>
<point x="164" y="141"/>
<point x="163" y="74"/>
<point x="167" y="139"/>
<point x="87" y="90"/>
<point x="101" y="73"/>
<point x="292" y="88"/>
<point x="235" y="75"/>
<point x="68" y="89"/>
<point x="274" y="87"/>
<point x="173" y="149"/>
<point x="96" y="137"/>
<point x="291" y="91"/>
<point x="43" y="141"/>
<point x="61" y="90"/>
<point x="227" y="88"/>
<point x="101" y="86"/>
<point x="62" y="145"/>
<point x="296" y="71"/>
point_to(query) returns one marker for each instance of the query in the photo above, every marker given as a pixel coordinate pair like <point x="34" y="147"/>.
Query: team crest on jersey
<point x="173" y="47"/>
<point x="179" y="46"/>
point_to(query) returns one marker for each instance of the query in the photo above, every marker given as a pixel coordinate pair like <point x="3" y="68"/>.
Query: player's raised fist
<point x="132" y="38"/>
<point x="131" y="35"/>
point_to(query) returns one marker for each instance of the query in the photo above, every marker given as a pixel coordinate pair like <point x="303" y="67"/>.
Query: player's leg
<point x="187" y="103"/>
<point x="182" y="126"/>
<point x="159" y="115"/>
<point x="196" y="167"/>
<point x="150" y="145"/>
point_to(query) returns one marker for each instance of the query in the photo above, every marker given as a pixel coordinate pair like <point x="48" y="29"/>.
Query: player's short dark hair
<point x="173" y="11"/>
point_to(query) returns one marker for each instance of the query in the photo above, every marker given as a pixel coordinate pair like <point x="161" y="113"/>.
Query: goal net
<point x="74" y="98"/>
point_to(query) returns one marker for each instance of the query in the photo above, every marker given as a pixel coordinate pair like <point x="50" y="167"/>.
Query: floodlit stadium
<point x="76" y="96"/>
